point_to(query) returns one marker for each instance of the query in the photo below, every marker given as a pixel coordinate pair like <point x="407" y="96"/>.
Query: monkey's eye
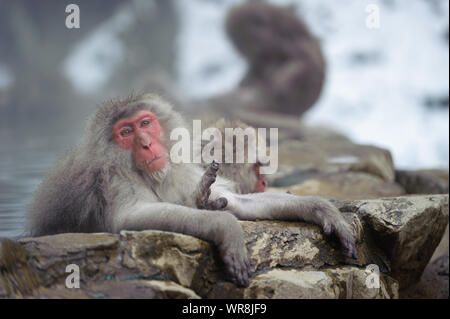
<point x="145" y="123"/>
<point x="125" y="132"/>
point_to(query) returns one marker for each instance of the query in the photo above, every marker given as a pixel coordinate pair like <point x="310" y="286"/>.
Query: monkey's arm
<point x="221" y="228"/>
<point x="282" y="206"/>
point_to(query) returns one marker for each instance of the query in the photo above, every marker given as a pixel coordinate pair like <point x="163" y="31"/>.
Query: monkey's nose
<point x="146" y="146"/>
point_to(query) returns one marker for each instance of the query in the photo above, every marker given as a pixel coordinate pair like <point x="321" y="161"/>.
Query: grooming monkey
<point x="121" y="178"/>
<point x="246" y="175"/>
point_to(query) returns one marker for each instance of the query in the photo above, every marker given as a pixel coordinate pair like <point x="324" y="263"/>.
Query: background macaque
<point x="246" y="175"/>
<point x="286" y="63"/>
<point x="121" y="177"/>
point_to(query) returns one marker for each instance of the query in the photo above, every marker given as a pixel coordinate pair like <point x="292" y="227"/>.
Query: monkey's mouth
<point x="152" y="160"/>
<point x="148" y="163"/>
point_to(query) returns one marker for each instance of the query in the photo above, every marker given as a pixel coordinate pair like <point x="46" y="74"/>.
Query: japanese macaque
<point x="246" y="175"/>
<point x="121" y="178"/>
<point x="286" y="63"/>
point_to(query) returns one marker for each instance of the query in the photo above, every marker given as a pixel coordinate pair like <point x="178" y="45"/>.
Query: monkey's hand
<point x="334" y="224"/>
<point x="233" y="250"/>
<point x="204" y="190"/>
<point x="281" y="206"/>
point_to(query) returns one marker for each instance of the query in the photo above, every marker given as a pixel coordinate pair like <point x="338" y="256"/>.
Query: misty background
<point x="388" y="87"/>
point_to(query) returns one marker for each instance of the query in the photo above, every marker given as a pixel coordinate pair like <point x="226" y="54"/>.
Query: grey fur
<point x="74" y="196"/>
<point x="243" y="174"/>
<point x="96" y="187"/>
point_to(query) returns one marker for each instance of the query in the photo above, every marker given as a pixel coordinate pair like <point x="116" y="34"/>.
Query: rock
<point x="154" y="264"/>
<point x="341" y="282"/>
<point x="17" y="277"/>
<point x="151" y="289"/>
<point x="408" y="229"/>
<point x="288" y="259"/>
<point x="291" y="284"/>
<point x="142" y="289"/>
<point x="434" y="282"/>
<point x="186" y="260"/>
<point x="344" y="186"/>
<point x="289" y="244"/>
<point x="128" y="256"/>
<point x="437" y="275"/>
<point x="423" y="181"/>
<point x="97" y="254"/>
<point x="299" y="160"/>
<point x="442" y="248"/>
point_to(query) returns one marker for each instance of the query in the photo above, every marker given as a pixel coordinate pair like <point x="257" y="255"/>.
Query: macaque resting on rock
<point x="121" y="178"/>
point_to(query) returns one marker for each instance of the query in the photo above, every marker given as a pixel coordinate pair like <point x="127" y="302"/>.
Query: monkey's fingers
<point x="210" y="175"/>
<point x="217" y="204"/>
<point x="239" y="276"/>
<point x="208" y="178"/>
<point x="205" y="183"/>
<point x="347" y="239"/>
<point x="351" y="251"/>
<point x="214" y="166"/>
<point x="238" y="267"/>
<point x="334" y="224"/>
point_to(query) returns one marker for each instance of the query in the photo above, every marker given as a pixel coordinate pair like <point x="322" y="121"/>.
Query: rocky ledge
<point x="289" y="260"/>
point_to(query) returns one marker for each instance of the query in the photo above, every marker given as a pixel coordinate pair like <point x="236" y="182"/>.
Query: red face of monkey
<point x="261" y="182"/>
<point x="141" y="133"/>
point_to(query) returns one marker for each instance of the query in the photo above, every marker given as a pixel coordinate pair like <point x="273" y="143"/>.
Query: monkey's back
<point x="69" y="199"/>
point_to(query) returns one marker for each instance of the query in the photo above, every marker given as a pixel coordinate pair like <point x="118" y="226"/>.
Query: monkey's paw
<point x="202" y="198"/>
<point x="237" y="265"/>
<point x="343" y="231"/>
<point x="232" y="248"/>
<point x="334" y="224"/>
<point x="218" y="204"/>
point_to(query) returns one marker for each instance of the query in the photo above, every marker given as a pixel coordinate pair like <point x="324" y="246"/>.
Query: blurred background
<point x="386" y="86"/>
